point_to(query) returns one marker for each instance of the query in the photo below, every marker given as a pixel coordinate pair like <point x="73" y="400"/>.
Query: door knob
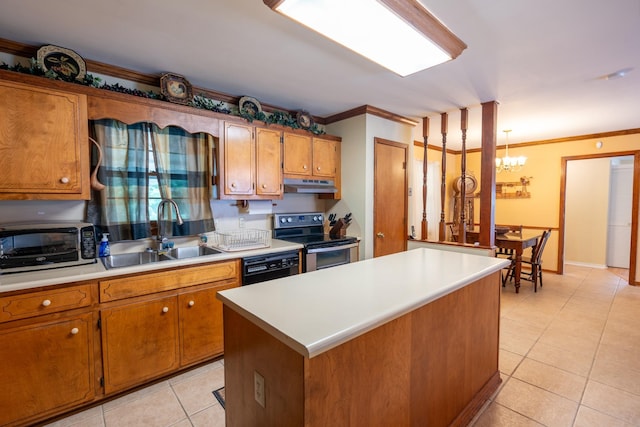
<point x="380" y="234"/>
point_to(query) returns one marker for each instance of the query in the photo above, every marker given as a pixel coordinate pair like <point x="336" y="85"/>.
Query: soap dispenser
<point x="104" y="246"/>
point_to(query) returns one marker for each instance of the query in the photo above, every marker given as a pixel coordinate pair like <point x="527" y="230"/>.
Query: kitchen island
<point x="405" y="339"/>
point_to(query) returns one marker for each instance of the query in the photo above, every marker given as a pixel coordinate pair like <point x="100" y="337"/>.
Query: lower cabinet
<point x="201" y="332"/>
<point x="46" y="367"/>
<point x="152" y="334"/>
<point x="139" y="342"/>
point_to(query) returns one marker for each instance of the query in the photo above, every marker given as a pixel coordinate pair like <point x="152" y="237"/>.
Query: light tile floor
<point x="568" y="357"/>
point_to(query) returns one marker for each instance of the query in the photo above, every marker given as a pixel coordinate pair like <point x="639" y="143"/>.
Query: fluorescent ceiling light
<point x="400" y="35"/>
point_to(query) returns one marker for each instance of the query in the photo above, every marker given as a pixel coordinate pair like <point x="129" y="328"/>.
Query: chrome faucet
<point x="161" y="239"/>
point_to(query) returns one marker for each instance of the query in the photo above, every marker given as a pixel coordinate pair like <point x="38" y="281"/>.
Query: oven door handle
<point x="332" y="248"/>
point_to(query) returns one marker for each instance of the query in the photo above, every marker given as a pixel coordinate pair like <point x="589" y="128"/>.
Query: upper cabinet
<point x="317" y="157"/>
<point x="44" y="146"/>
<point x="326" y="155"/>
<point x="306" y="156"/>
<point x="251" y="158"/>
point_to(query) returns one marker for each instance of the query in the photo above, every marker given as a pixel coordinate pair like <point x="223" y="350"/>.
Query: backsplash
<point x="227" y="214"/>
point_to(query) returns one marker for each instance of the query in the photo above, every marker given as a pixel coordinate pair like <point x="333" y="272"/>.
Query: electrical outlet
<point x="240" y="222"/>
<point x="258" y="388"/>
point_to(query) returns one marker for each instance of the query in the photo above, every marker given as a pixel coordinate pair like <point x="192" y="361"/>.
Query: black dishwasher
<point x="265" y="267"/>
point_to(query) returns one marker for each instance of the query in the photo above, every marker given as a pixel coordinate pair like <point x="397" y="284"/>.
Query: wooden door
<point x="201" y="334"/>
<point x="46" y="367"/>
<point x="325" y="154"/>
<point x="268" y="163"/>
<point x="390" y="197"/>
<point x="297" y="154"/>
<point x="239" y="159"/>
<point x="139" y="342"/>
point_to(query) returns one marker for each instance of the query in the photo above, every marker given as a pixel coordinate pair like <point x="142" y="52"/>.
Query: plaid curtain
<point x="182" y="161"/>
<point x="122" y="208"/>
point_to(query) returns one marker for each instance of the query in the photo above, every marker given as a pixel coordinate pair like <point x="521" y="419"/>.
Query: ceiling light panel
<point x="373" y="30"/>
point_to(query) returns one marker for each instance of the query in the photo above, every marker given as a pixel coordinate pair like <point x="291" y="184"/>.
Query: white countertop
<point x="35" y="279"/>
<point x="316" y="311"/>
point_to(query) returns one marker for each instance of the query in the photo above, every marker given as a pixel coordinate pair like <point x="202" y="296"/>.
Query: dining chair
<point x="534" y="264"/>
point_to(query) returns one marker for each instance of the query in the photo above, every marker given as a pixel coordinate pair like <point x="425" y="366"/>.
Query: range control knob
<point x="283" y="220"/>
<point x="289" y="219"/>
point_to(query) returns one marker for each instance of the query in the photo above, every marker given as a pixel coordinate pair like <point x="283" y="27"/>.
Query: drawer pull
<point x="165" y="309"/>
<point x="46" y="303"/>
<point x="75" y="331"/>
<point x="192" y="303"/>
<point x="304" y="167"/>
<point x="318" y="168"/>
<point x="64" y="180"/>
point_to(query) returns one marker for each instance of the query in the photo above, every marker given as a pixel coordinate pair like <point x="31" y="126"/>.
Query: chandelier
<point x="506" y="163"/>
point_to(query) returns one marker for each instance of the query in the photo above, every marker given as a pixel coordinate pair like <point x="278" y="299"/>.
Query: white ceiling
<point x="542" y="60"/>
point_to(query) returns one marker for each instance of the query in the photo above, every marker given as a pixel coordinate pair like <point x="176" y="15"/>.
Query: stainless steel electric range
<point x="320" y="250"/>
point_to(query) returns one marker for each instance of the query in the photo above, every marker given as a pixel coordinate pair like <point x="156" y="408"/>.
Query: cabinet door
<point x="325" y="153"/>
<point x="297" y="154"/>
<point x="268" y="163"/>
<point x="139" y="342"/>
<point x="239" y="159"/>
<point x="201" y="324"/>
<point x="46" y="367"/>
<point x="45" y="132"/>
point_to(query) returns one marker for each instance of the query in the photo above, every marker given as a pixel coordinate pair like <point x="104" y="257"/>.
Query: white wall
<point x="586" y="221"/>
<point x="358" y="135"/>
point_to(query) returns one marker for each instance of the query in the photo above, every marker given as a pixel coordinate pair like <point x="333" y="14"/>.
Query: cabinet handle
<point x="380" y="234"/>
<point x="46" y="303"/>
<point x="318" y="168"/>
<point x="264" y="185"/>
<point x="165" y="309"/>
<point x="75" y="331"/>
<point x="304" y="167"/>
<point x="64" y="180"/>
<point x="192" y="303"/>
<point x="233" y="185"/>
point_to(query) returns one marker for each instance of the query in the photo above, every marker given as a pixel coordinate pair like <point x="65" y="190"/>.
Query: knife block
<point x="339" y="229"/>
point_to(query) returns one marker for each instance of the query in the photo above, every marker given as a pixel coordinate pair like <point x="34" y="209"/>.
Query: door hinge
<point x="101" y="381"/>
<point x="404" y="165"/>
<point x="99" y="325"/>
<point x="281" y="139"/>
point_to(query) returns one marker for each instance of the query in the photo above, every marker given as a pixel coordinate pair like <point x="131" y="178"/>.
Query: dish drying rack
<point x="240" y="240"/>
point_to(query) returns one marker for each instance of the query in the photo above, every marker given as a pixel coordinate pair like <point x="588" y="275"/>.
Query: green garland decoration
<point x="199" y="101"/>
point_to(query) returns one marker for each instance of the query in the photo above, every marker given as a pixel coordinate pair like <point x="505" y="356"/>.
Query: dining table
<point x="516" y="242"/>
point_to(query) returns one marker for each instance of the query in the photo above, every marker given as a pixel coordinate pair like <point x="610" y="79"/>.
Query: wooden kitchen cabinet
<point x="140" y="342"/>
<point x="155" y="323"/>
<point x="307" y="157"/>
<point x="298" y="155"/>
<point x="47" y="351"/>
<point x="201" y="323"/>
<point x="43" y="131"/>
<point x="252" y="162"/>
<point x="325" y="157"/>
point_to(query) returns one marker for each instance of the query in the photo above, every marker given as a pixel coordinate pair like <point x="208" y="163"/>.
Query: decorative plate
<point x="176" y="88"/>
<point x="304" y="119"/>
<point x="64" y="62"/>
<point x="249" y="106"/>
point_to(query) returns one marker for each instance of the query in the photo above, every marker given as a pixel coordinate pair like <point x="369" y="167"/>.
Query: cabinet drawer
<point x="144" y="284"/>
<point x="44" y="302"/>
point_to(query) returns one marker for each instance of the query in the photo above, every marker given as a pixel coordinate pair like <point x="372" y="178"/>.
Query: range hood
<point x="309" y="186"/>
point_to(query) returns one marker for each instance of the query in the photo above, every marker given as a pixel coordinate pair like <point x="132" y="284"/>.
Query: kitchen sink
<point x="191" y="251"/>
<point x="147" y="257"/>
<point x="130" y="259"/>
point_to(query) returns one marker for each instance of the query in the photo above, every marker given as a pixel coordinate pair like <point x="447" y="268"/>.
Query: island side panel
<point x="455" y="354"/>
<point x="248" y="348"/>
<point x="363" y="382"/>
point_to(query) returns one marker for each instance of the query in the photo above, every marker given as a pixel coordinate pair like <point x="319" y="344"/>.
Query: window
<point x="144" y="164"/>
